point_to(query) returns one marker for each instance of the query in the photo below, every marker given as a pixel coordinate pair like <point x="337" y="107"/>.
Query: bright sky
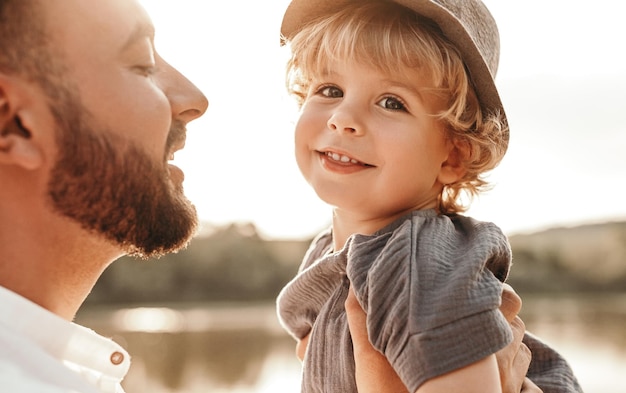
<point x="562" y="80"/>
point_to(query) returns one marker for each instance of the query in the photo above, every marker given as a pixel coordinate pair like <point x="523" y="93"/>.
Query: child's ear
<point x="454" y="167"/>
<point x="17" y="144"/>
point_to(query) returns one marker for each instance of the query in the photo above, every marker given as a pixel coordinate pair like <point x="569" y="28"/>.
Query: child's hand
<point x="373" y="371"/>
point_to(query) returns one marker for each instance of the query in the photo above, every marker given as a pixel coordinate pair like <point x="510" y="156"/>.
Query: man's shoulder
<point x="25" y="368"/>
<point x="18" y="377"/>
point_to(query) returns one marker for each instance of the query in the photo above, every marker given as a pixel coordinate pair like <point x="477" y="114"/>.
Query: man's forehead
<point x="94" y="20"/>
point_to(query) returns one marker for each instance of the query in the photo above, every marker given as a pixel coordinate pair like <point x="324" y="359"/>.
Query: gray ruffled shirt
<point x="430" y="285"/>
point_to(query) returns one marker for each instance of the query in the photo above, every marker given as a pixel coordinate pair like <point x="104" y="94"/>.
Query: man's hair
<point x="22" y="38"/>
<point x="25" y="48"/>
<point x="390" y="38"/>
<point x="26" y="52"/>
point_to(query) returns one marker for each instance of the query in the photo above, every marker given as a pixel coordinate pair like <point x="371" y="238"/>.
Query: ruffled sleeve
<point x="300" y="301"/>
<point x="548" y="369"/>
<point x="431" y="288"/>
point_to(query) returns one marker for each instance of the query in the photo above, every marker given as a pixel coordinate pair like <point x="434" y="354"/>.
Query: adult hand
<point x="514" y="359"/>
<point x="375" y="374"/>
<point x="301" y="347"/>
<point x="530" y="387"/>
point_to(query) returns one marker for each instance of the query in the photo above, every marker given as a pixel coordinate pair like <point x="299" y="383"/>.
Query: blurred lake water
<point x="240" y="348"/>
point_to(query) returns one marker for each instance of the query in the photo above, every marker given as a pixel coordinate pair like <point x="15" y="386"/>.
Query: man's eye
<point x="331" y="92"/>
<point x="392" y="103"/>
<point x="145" y="70"/>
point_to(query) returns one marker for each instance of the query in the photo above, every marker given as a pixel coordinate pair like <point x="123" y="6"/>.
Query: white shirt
<point x="41" y="352"/>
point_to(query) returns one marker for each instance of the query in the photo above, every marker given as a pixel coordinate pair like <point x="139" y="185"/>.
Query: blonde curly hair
<point x="390" y="38"/>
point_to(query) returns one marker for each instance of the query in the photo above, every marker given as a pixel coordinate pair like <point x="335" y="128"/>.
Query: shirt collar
<point x="101" y="360"/>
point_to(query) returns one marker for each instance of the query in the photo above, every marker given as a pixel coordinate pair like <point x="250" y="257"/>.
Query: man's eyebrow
<point x="141" y="31"/>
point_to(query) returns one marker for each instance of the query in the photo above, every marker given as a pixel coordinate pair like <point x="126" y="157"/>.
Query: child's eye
<point x="392" y="103"/>
<point x="330" y="91"/>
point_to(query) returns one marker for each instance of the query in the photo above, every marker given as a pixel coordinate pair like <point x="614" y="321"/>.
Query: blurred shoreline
<point x="240" y="346"/>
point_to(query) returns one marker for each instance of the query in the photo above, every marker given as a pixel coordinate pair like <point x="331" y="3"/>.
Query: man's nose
<point x="186" y="99"/>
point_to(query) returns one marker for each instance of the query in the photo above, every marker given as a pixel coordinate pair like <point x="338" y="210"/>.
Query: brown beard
<point x="112" y="187"/>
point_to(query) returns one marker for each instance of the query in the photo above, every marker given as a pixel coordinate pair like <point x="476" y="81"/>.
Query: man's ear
<point x="454" y="167"/>
<point x="18" y="144"/>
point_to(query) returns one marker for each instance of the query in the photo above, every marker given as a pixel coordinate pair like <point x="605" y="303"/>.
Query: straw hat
<point x="466" y="23"/>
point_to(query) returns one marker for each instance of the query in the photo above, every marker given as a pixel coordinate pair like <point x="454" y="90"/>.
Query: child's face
<point x="368" y="144"/>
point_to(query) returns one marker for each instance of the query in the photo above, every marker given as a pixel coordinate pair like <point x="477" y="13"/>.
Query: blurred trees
<point x="231" y="264"/>
<point x="583" y="258"/>
<point x="235" y="264"/>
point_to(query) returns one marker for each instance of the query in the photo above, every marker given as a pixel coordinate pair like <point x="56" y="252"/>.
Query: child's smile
<point x="341" y="163"/>
<point x="340" y="158"/>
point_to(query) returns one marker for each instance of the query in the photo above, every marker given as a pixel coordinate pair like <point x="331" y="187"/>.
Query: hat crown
<point x="467" y="24"/>
<point x="480" y="27"/>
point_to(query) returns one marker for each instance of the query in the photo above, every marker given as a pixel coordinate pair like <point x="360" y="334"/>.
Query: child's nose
<point x="344" y="119"/>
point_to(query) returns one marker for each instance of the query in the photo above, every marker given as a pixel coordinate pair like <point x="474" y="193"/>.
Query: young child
<point x="400" y="120"/>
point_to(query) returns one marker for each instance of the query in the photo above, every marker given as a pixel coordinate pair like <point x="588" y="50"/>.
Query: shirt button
<point x="117" y="358"/>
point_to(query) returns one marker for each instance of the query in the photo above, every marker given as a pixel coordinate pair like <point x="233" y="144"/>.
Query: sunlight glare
<point x="149" y="319"/>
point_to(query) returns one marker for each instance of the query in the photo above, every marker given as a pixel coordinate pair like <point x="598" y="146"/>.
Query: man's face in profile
<point x="115" y="131"/>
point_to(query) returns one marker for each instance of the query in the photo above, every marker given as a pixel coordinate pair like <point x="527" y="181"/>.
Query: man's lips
<point x="176" y="173"/>
<point x="180" y="144"/>
<point x="176" y="138"/>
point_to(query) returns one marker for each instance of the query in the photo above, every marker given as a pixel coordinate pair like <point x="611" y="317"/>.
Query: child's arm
<point x="479" y="377"/>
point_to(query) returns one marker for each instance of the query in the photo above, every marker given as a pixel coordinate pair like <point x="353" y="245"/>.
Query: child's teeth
<point x="338" y="157"/>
